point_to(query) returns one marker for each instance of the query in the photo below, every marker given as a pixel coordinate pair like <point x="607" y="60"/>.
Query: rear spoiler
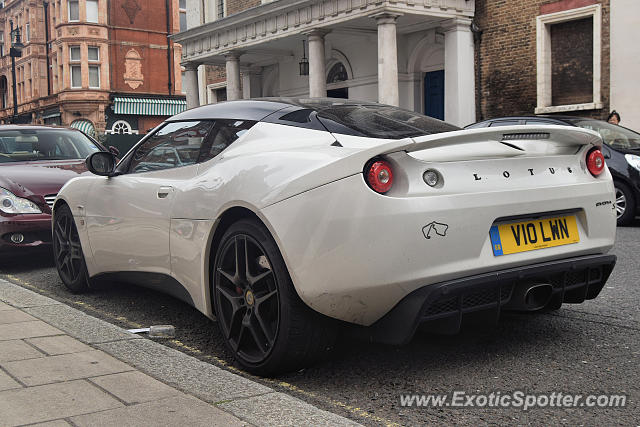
<point x="513" y="136"/>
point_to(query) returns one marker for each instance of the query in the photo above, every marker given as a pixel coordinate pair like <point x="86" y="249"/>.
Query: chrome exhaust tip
<point x="538" y="296"/>
<point x="530" y="297"/>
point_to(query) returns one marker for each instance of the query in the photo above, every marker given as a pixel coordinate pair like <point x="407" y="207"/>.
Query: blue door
<point x="434" y="94"/>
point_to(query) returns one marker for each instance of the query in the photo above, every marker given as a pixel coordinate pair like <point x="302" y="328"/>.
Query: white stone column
<point x="233" y="76"/>
<point x="387" y="59"/>
<point x="252" y="83"/>
<point x="317" y="64"/>
<point x="190" y="84"/>
<point x="459" y="78"/>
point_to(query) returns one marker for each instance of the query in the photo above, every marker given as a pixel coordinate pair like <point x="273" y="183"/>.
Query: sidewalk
<point x="61" y="367"/>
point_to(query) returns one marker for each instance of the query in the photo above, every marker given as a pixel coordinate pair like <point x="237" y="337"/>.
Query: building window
<point x="74" y="10"/>
<point x="1" y="43"/>
<point x="27" y="32"/>
<point x="216" y="92"/>
<point x="121" y="127"/>
<point x="93" y="54"/>
<point x="220" y="7"/>
<point x="92" y="10"/>
<point x="569" y="60"/>
<point x="74" y="53"/>
<point x="94" y="76"/>
<point x="76" y="76"/>
<point x="183" y="15"/>
<point x="76" y="69"/>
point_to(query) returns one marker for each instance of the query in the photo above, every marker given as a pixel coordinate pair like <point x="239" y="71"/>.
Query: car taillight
<point x="595" y="162"/>
<point x="379" y="176"/>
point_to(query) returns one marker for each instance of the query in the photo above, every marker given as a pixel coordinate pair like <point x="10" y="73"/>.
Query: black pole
<point x="15" y="95"/>
<point x="47" y="43"/>
<point x="169" y="50"/>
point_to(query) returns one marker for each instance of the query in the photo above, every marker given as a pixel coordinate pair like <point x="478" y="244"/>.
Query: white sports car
<point x="284" y="219"/>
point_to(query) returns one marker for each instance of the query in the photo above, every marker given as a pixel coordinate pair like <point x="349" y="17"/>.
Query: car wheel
<point x="625" y="204"/>
<point x="67" y="251"/>
<point x="264" y="322"/>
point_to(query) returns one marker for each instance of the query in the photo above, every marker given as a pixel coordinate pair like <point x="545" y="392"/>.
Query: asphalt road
<point x="591" y="348"/>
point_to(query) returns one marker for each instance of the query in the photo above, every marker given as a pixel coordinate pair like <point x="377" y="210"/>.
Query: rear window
<point x="377" y="121"/>
<point x="614" y="135"/>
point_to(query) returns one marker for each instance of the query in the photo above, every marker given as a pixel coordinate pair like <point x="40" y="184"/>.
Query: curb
<point x="248" y="400"/>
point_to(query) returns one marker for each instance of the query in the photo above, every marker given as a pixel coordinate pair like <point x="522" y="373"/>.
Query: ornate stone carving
<point x="131" y="8"/>
<point x="133" y="69"/>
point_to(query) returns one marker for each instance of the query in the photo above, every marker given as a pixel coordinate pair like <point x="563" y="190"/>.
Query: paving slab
<point x="61" y="344"/>
<point x="80" y="325"/>
<point x="170" y="412"/>
<point x="36" y="328"/>
<point x="4" y="306"/>
<point x="64" y="367"/>
<point x="7" y="383"/>
<point x="17" y="350"/>
<point x="52" y="402"/>
<point x="204" y="380"/>
<point x="259" y="410"/>
<point x="15" y="316"/>
<point x="20" y="297"/>
<point x="134" y="387"/>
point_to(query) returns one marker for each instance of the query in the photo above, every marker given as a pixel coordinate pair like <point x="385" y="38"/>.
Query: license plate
<point x="533" y="234"/>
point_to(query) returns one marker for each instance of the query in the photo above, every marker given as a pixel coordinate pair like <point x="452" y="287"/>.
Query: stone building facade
<point x="99" y="65"/>
<point x="527" y="57"/>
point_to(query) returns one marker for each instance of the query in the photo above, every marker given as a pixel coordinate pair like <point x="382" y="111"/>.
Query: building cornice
<point x="284" y="18"/>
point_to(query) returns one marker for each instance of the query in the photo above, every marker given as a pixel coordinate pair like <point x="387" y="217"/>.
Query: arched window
<point x="337" y="73"/>
<point x="121" y="127"/>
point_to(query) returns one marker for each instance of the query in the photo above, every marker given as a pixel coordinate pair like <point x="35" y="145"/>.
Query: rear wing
<point x="524" y="138"/>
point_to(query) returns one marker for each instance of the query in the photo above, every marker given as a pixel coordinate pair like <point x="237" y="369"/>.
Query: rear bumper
<point x="35" y="229"/>
<point x="441" y="307"/>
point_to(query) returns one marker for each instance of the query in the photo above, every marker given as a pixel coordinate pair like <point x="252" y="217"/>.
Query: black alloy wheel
<point x="247" y="298"/>
<point x="265" y="324"/>
<point x="67" y="251"/>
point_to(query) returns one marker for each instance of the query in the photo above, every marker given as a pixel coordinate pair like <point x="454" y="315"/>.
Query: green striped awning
<point x="148" y="106"/>
<point x="85" y="126"/>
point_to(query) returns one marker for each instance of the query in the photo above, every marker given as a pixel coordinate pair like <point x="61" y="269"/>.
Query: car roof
<point x="259" y="108"/>
<point x="35" y="127"/>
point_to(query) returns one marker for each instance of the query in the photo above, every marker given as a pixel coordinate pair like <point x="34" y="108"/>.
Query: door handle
<point x="163" y="192"/>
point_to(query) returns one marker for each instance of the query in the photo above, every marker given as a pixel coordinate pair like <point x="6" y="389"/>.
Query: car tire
<point x="67" y="251"/>
<point x="263" y="321"/>
<point x="625" y="203"/>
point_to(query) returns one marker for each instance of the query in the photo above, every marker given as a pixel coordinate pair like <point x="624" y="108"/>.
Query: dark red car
<point x="35" y="162"/>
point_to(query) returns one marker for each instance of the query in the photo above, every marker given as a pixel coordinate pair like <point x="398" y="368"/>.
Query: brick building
<point x="99" y="65"/>
<point x="529" y="57"/>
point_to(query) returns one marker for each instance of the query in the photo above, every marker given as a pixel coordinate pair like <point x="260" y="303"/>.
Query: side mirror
<point x="113" y="150"/>
<point x="101" y="163"/>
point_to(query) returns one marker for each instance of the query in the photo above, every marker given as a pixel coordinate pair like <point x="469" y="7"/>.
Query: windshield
<point x="616" y="136"/>
<point x="26" y="145"/>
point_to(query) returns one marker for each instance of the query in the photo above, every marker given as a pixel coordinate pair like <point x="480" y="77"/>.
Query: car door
<point x="128" y="216"/>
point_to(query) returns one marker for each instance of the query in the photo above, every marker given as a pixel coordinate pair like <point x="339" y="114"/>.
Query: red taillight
<point x="379" y="176"/>
<point x="595" y="162"/>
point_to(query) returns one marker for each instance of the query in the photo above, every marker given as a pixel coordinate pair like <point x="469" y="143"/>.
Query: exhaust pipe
<point x="530" y="297"/>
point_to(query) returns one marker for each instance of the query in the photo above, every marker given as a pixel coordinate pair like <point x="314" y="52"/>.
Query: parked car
<point x="35" y="162"/>
<point x="621" y="150"/>
<point x="300" y="215"/>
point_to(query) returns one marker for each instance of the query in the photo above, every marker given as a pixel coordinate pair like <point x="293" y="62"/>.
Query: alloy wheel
<point x="67" y="248"/>
<point x="246" y="294"/>
<point x="621" y="203"/>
